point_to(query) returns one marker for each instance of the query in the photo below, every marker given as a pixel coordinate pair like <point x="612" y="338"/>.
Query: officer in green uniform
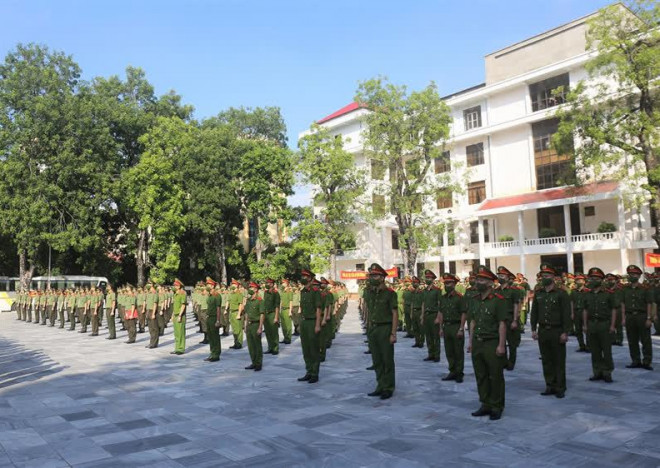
<point x="577" y="307"/>
<point x="272" y="301"/>
<point x="142" y="308"/>
<point x="430" y="307"/>
<point x="637" y="315"/>
<point x="152" y="306"/>
<point x="513" y="296"/>
<point x="234" y="301"/>
<point x="451" y="320"/>
<point x="204" y="313"/>
<point x="551" y="315"/>
<point x="253" y="308"/>
<point x="487" y="316"/>
<point x="95" y="300"/>
<point x="399" y="288"/>
<point x="611" y="283"/>
<point x="286" y="298"/>
<point x="416" y="319"/>
<point x="327" y="304"/>
<point x="179" y="302"/>
<point x="47" y="306"/>
<point x="214" y="320"/>
<point x="52" y="307"/>
<point x="110" y="306"/>
<point x="407" y="306"/>
<point x="130" y="313"/>
<point x="599" y="318"/>
<point x="310" y="326"/>
<point x="295" y="309"/>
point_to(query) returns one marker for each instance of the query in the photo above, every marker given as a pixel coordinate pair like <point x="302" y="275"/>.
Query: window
<point x="377" y="170"/>
<point x="445" y="200"/>
<point x="549" y="93"/>
<point x="452" y="267"/>
<point x="475" y="154"/>
<point x="474" y="232"/>
<point x="589" y="211"/>
<point x="359" y="266"/>
<point x="551" y="167"/>
<point x="472" y="117"/>
<point x="476" y="192"/>
<point x="451" y="235"/>
<point x="395" y="239"/>
<point x="378" y="202"/>
<point x="443" y="163"/>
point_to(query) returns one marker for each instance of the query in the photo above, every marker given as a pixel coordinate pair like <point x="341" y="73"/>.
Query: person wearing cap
<point x="204" y="313"/>
<point x="253" y="308"/>
<point x="130" y="314"/>
<point x="310" y="326"/>
<point x="599" y="318"/>
<point x="522" y="283"/>
<point x="286" y="298"/>
<point x="637" y="309"/>
<point x="179" y="302"/>
<point x="272" y="301"/>
<point x="430" y="308"/>
<point x="611" y="283"/>
<point x="551" y="323"/>
<point x="327" y="306"/>
<point x="381" y="303"/>
<point x="234" y="303"/>
<point x="407" y="306"/>
<point x="416" y="318"/>
<point x="513" y="296"/>
<point x="487" y="316"/>
<point x="578" y="296"/>
<point x="213" y="320"/>
<point x="451" y="320"/>
<point x="110" y="304"/>
<point x="151" y="312"/>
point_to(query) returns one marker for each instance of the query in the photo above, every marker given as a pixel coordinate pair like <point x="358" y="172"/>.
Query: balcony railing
<point x="503" y="244"/>
<point x="546" y="241"/>
<point x="595" y="237"/>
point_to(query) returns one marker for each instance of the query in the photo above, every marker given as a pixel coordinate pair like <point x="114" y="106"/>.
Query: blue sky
<point x="304" y="56"/>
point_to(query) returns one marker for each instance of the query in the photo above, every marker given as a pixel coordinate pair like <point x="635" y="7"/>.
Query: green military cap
<point x="547" y="268"/>
<point x="633" y="270"/>
<point x="376" y="269"/>
<point x="595" y="271"/>
<point x="484" y="272"/>
<point x="502" y="270"/>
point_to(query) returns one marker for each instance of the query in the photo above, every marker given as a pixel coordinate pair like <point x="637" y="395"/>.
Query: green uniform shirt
<point x="551" y="309"/>
<point x="599" y="305"/>
<point x="254" y="308"/>
<point x="417" y="298"/>
<point x="179" y="300"/>
<point x="431" y="300"/>
<point x="212" y="303"/>
<point x="285" y="299"/>
<point x="512" y="296"/>
<point x="310" y="300"/>
<point x="235" y="299"/>
<point x="636" y="299"/>
<point x="295" y="299"/>
<point x="271" y="300"/>
<point x="380" y="303"/>
<point x="452" y="306"/>
<point x="487" y="314"/>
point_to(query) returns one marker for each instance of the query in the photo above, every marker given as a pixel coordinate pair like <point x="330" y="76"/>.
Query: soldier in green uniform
<point x="522" y="283"/>
<point x="84" y="310"/>
<point x="179" y="302"/>
<point x="637" y="310"/>
<point x="253" y="308"/>
<point x="551" y="314"/>
<point x="286" y="299"/>
<point x="611" y="283"/>
<point x="142" y="308"/>
<point x="416" y="319"/>
<point x="430" y="306"/>
<point x="599" y="317"/>
<point x="399" y="288"/>
<point x="451" y="320"/>
<point x="577" y="297"/>
<point x="310" y="326"/>
<point x="381" y="303"/>
<point x="327" y="303"/>
<point x="272" y="300"/>
<point x="513" y="296"/>
<point x="130" y="314"/>
<point x="487" y="316"/>
<point x="214" y="320"/>
<point x="46" y="306"/>
<point x="406" y="296"/>
<point x="110" y="307"/>
<point x="234" y="302"/>
<point x="95" y="302"/>
<point x="51" y="306"/>
<point x="61" y="305"/>
<point x="80" y="306"/>
<point x="204" y="313"/>
<point x="151" y="305"/>
<point x="295" y="309"/>
<point x="162" y="309"/>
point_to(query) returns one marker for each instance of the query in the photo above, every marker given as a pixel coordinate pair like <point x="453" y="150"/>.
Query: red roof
<point x="549" y="195"/>
<point x="343" y="111"/>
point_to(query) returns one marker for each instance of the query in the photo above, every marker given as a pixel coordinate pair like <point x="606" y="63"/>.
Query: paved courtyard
<point x="68" y="399"/>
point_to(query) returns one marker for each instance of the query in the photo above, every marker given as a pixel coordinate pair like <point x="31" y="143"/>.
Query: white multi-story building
<point x="512" y="212"/>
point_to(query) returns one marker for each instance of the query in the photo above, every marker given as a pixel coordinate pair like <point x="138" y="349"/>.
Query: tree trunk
<point x="411" y="257"/>
<point x="140" y="257"/>
<point x="333" y="264"/>
<point x="25" y="272"/>
<point x="221" y="264"/>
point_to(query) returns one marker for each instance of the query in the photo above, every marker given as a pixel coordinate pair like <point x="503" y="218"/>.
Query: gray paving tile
<point x="144" y="444"/>
<point x="79" y="415"/>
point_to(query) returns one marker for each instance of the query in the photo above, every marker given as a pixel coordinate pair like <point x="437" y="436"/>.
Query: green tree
<point x="614" y="117"/>
<point x="338" y="185"/>
<point x="405" y="133"/>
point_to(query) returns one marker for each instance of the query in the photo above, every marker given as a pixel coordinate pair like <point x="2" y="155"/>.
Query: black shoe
<point x="594" y="378"/>
<point x="268" y="352"/>
<point x="634" y="365"/>
<point x="647" y="366"/>
<point x="409" y="336"/>
<point x="608" y="379"/>
<point x="510" y="367"/>
<point x="141" y="331"/>
<point x="495" y="415"/>
<point x="448" y="377"/>
<point x="108" y="338"/>
<point x="370" y="368"/>
<point x="459" y="379"/>
<point x="428" y="358"/>
<point x="415" y="346"/>
<point x="152" y="347"/>
<point x="250" y="367"/>
<point x="296" y="334"/>
<point x="375" y="393"/>
<point x="214" y="359"/>
<point x="178" y="353"/>
<point x="238" y="347"/>
<point x="94" y="334"/>
<point x="129" y="342"/>
<point x="436" y="359"/>
<point x="481" y="412"/>
<point x="367" y="352"/>
<point x="313" y="380"/>
<point x="385" y="395"/>
<point x="274" y="353"/>
<point x="548" y="391"/>
<point x="284" y="342"/>
<point x="560" y="394"/>
<point x="257" y="368"/>
<point x="207" y="359"/>
<point x="202" y="342"/>
<point x="304" y="378"/>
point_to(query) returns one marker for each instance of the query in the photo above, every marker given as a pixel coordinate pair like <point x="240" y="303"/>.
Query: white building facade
<point x="513" y="211"/>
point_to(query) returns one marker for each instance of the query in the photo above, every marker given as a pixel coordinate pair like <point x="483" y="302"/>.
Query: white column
<point x="382" y="248"/>
<point x="445" y="248"/>
<point x="569" y="234"/>
<point x="622" y="235"/>
<point x="521" y="242"/>
<point x="480" y="226"/>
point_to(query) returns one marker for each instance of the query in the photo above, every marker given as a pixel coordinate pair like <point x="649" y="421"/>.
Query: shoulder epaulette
<point x="314" y="288"/>
<point x="499" y="296"/>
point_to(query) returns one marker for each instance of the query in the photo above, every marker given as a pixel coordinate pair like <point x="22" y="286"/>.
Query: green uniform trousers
<point x="579" y="331"/>
<point x="512" y="341"/>
<point x="214" y="337"/>
<point x="142" y="317"/>
<point x="309" y="341"/>
<point x="154" y="331"/>
<point x="489" y="372"/>
<point x="417" y="324"/>
<point x="60" y="314"/>
<point x="72" y="318"/>
<point x="160" y="320"/>
<point x="203" y="321"/>
<point x="454" y="348"/>
<point x="407" y="317"/>
<point x="432" y="332"/>
<point x="618" y="333"/>
<point x="553" y="358"/>
<point x="382" y="354"/>
<point x="37" y="314"/>
<point x="52" y="315"/>
<point x="295" y="318"/>
<point x="96" y="321"/>
<point x="637" y="331"/>
<point x="323" y="340"/>
<point x="132" y="331"/>
<point x="600" y="342"/>
<point x="45" y="311"/>
<point x="112" y="324"/>
<point x="27" y="314"/>
<point x="272" y="332"/>
<point x="179" y="333"/>
<point x="84" y="319"/>
<point x="287" y="325"/>
<point x="254" y="344"/>
<point x="236" y="329"/>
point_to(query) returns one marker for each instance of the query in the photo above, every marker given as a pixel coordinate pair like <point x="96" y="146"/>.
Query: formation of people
<point x="492" y="308"/>
<point x="312" y="309"/>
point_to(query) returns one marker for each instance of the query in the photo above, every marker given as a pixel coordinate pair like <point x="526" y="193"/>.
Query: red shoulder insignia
<point x="314" y="288"/>
<point x="391" y="290"/>
<point x="586" y="290"/>
<point x="458" y="294"/>
<point x="499" y="296"/>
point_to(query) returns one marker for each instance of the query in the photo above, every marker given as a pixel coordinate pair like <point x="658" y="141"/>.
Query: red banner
<point x="652" y="260"/>
<point x="359" y="274"/>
